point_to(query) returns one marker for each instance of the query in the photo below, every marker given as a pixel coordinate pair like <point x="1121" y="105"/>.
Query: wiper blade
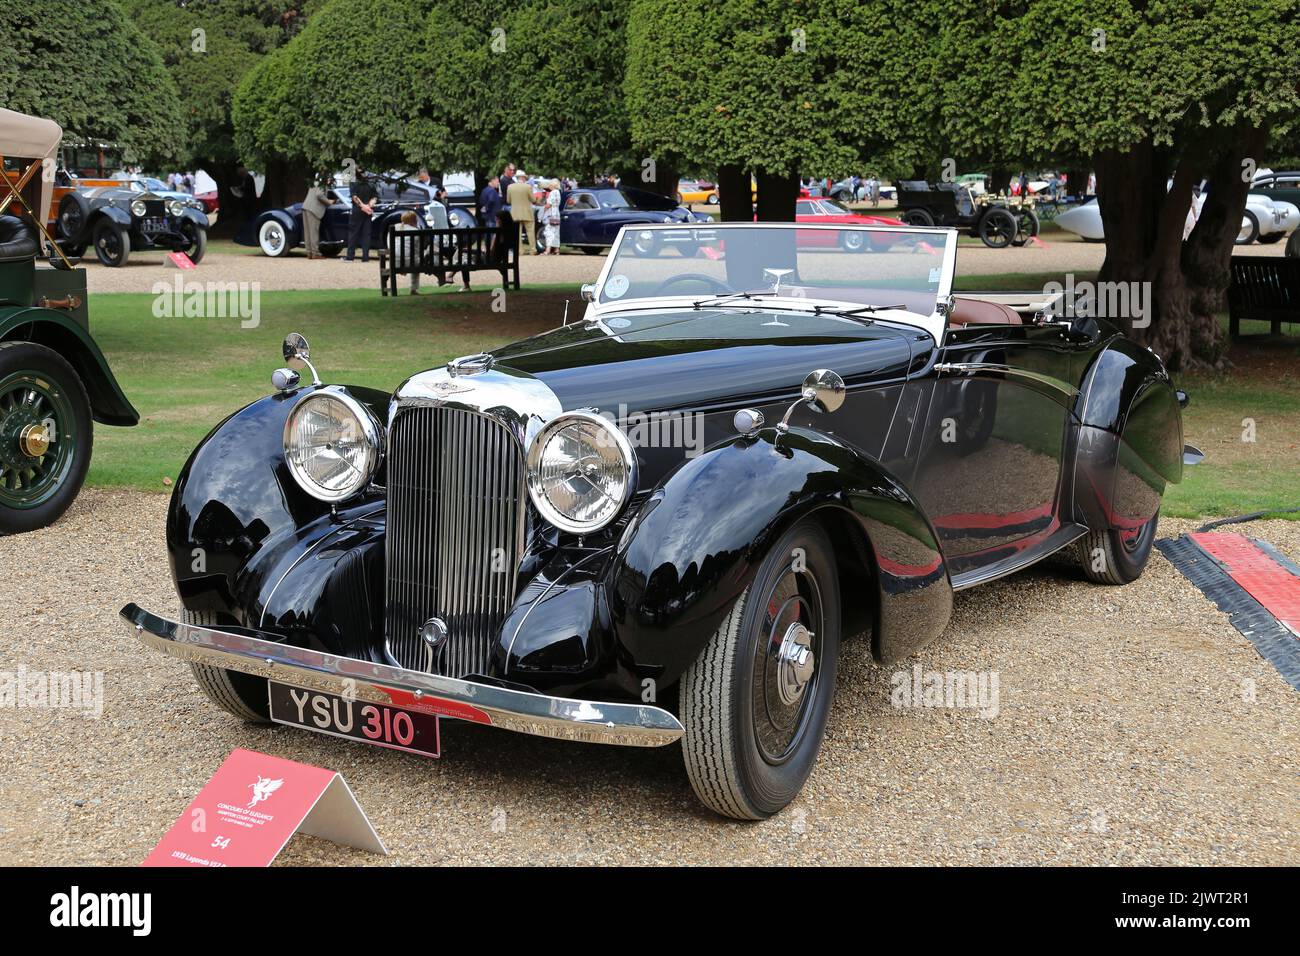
<point x="722" y="299"/>
<point x="820" y="309"/>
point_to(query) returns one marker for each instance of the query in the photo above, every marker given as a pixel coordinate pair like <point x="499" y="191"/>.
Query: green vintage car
<point x="54" y="381"/>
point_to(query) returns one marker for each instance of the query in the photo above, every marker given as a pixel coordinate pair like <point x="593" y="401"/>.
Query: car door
<point x="576" y="211"/>
<point x="989" y="467"/>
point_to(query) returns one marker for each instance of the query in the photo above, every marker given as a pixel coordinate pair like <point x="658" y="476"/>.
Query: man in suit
<point x="363" y="199"/>
<point x="490" y="205"/>
<point x="519" y="196"/>
<point x="313" y="211"/>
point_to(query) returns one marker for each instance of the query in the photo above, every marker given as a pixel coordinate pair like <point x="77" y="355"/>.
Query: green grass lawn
<point x="186" y="375"/>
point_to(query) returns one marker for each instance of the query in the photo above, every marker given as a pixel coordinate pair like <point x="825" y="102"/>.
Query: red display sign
<point x="251" y="807"/>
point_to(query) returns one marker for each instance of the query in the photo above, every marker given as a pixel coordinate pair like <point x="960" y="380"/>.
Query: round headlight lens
<point x="332" y="444"/>
<point x="137" y="208"/>
<point x="176" y="207"/>
<point x="454" y="219"/>
<point x="581" y="472"/>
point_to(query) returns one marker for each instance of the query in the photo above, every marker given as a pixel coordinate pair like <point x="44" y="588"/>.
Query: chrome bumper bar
<point x="629" y="725"/>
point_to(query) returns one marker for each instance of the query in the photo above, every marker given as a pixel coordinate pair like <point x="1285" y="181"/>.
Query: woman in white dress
<point x="551" y="219"/>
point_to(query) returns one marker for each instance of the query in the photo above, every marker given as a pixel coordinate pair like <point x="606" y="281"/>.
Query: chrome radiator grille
<point x="455" y="528"/>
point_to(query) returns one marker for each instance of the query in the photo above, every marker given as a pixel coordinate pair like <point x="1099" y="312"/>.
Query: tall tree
<point x="774" y="89"/>
<point x="1153" y="93"/>
<point x="338" y="94"/>
<point x="94" y="72"/>
<point x="208" y="46"/>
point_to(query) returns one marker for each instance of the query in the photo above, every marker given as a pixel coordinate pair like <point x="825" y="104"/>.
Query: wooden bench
<point x="449" y="252"/>
<point x="1264" y="288"/>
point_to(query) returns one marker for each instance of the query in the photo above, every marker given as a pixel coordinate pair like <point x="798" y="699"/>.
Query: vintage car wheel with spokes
<point x="997" y="228"/>
<point x="754" y="704"/>
<point x="45" y="436"/>
<point x="198" y="241"/>
<point x="112" y="243"/>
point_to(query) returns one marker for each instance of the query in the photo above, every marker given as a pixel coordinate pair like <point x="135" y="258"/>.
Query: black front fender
<point x="237" y="512"/>
<point x="696" y="545"/>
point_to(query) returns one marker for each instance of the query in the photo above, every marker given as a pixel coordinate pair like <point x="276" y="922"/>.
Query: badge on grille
<point x="434" y="634"/>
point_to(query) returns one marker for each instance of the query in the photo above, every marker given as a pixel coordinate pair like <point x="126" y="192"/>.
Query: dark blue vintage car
<point x="591" y="217"/>
<point x="276" y="231"/>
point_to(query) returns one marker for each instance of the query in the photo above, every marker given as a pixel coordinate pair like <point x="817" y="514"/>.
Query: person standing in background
<point x="490" y="205"/>
<point x="519" y="196"/>
<point x="313" y="211"/>
<point x="551" y="219"/>
<point x="363" y="198"/>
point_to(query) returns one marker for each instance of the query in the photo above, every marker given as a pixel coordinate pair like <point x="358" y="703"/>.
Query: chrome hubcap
<point x="795" y="664"/>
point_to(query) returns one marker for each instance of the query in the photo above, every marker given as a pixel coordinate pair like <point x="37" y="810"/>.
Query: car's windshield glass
<point x="616" y="199"/>
<point x="860" y="265"/>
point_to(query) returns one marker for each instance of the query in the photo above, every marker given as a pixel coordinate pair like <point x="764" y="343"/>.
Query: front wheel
<point x="997" y="228"/>
<point x="235" y="692"/>
<point x="755" y="702"/>
<point x="1249" y="231"/>
<point x="45" y="436"/>
<point x="198" y="238"/>
<point x="273" y="238"/>
<point x="1117" y="555"/>
<point x="112" y="243"/>
<point x="1292" y="249"/>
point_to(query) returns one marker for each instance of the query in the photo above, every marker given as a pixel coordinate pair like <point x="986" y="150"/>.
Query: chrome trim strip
<point x="629" y="725"/>
<point x="1065" y="388"/>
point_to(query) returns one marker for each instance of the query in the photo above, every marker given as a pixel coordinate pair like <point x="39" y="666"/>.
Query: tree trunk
<point x="1207" y="254"/>
<point x="735" y="198"/>
<point x="777" y="193"/>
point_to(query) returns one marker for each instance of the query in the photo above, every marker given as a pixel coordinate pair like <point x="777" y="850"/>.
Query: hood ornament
<point x="470" y="364"/>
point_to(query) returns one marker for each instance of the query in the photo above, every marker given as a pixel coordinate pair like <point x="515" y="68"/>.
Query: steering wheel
<point x="718" y="285"/>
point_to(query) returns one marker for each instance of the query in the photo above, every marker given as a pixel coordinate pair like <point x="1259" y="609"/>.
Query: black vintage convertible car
<point x="660" y="522"/>
<point x="277" y="231"/>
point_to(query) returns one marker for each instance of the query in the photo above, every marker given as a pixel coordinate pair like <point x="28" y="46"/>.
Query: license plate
<point x="152" y="226"/>
<point x="380" y="724"/>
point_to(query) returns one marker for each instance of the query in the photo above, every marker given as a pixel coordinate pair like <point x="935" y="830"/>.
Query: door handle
<point x="1065" y="388"/>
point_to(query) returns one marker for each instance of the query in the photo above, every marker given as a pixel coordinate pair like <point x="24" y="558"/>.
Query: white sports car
<point x="1263" y="216"/>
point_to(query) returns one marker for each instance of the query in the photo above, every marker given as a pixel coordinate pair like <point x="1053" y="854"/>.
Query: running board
<point x="1062" y="537"/>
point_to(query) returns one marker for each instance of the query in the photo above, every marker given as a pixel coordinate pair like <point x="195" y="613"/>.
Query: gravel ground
<point x="1060" y="253"/>
<point x="1123" y="737"/>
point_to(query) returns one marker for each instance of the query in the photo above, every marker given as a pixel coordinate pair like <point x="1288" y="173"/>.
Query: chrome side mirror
<point x="297" y="353"/>
<point x="588" y="292"/>
<point x="822" y="389"/>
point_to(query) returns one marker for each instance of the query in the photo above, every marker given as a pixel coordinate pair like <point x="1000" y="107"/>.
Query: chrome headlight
<point x="138" y="208"/>
<point x="332" y="444"/>
<point x="581" y="472"/>
<point x="454" y="218"/>
<point x="176" y="207"/>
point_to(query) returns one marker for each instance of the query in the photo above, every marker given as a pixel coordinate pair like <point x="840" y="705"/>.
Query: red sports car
<point x="829" y="212"/>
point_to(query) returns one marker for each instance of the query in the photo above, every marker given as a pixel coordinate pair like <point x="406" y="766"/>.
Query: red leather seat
<point x="978" y="312"/>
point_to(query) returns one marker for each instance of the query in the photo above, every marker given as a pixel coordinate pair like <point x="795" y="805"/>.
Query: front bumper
<point x="258" y="653"/>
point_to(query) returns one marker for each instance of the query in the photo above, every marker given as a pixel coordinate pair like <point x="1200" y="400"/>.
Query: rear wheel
<point x="755" y="703"/>
<point x="74" y="213"/>
<point x="1293" y="245"/>
<point x="645" y="243"/>
<point x="1117" y="556"/>
<point x="854" y="242"/>
<point x="1272" y="237"/>
<point x="1026" y="225"/>
<point x="112" y="243"/>
<point x="237" y="693"/>
<point x="918" y="217"/>
<point x="590" y="250"/>
<point x="45" y="436"/>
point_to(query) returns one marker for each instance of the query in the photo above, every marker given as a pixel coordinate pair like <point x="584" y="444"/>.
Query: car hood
<point x="694" y="360"/>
